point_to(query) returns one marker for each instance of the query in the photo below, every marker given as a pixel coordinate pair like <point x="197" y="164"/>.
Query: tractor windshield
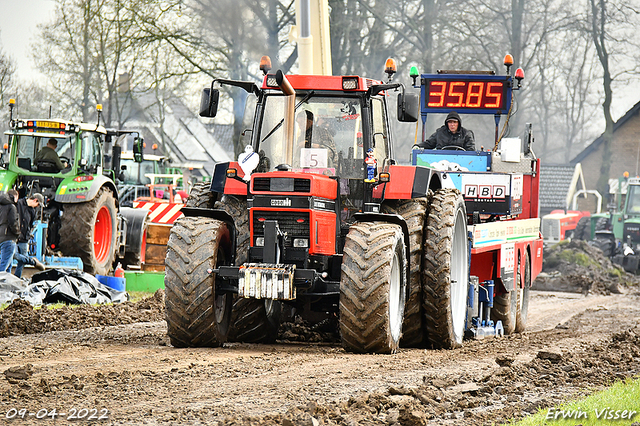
<point x="136" y="173"/>
<point x="633" y="200"/>
<point x="327" y="135"/>
<point x="27" y="146"/>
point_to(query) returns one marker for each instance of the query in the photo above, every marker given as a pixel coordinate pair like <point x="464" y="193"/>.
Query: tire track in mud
<point x="132" y="371"/>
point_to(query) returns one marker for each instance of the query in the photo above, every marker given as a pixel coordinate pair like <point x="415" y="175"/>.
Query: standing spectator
<point x="9" y="228"/>
<point x="26" y="215"/>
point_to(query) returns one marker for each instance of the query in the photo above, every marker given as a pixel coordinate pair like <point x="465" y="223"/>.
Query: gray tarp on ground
<point x="58" y="286"/>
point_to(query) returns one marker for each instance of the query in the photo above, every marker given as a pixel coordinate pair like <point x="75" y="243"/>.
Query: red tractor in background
<point x="560" y="225"/>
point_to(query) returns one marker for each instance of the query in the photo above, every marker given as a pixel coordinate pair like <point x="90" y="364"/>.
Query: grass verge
<point x="618" y="405"/>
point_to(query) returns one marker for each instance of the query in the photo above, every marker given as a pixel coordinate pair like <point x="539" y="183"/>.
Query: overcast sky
<point x="18" y="21"/>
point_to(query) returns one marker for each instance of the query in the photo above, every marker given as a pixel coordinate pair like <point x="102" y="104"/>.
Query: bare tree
<point x="363" y="36"/>
<point x="69" y="62"/>
<point x="7" y="72"/>
<point x="91" y="42"/>
<point x="597" y="19"/>
<point x="238" y="38"/>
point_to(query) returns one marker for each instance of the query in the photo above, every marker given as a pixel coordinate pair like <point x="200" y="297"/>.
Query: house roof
<point x="596" y="143"/>
<point x="555" y="184"/>
<point x="224" y="135"/>
<point x="185" y="139"/>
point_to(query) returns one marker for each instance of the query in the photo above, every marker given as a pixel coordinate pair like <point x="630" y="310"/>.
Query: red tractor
<point x="317" y="216"/>
<point x="562" y="224"/>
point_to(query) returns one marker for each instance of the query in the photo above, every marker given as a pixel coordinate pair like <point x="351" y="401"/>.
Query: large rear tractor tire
<point x="196" y="315"/>
<point x="522" y="309"/>
<point x="583" y="229"/>
<point x="201" y="196"/>
<point x="89" y="230"/>
<point x="373" y="288"/>
<point x="414" y="213"/>
<point x="445" y="269"/>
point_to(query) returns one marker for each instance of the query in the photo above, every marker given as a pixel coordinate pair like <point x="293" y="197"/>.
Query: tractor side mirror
<point x="408" y="107"/>
<point x="209" y="102"/>
<point x="116" y="155"/>
<point x="138" y="150"/>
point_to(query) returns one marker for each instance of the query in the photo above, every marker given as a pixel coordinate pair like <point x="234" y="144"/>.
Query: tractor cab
<point x="163" y="188"/>
<point x="336" y="127"/>
<point x="44" y="153"/>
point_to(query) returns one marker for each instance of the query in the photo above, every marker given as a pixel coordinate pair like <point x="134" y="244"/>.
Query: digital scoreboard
<point x="466" y="94"/>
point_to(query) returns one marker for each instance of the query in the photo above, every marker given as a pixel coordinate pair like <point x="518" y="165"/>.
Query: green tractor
<point x="82" y="213"/>
<point x="625" y="226"/>
<point x="617" y="232"/>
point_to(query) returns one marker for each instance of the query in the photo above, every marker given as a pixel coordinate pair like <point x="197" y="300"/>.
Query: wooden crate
<point x="157" y="238"/>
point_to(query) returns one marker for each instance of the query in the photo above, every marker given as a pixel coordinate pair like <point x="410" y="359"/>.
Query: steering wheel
<point x="453" y="147"/>
<point x="333" y="153"/>
<point x="65" y="160"/>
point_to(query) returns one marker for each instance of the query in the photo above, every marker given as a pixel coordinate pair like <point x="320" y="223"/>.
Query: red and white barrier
<point x="165" y="213"/>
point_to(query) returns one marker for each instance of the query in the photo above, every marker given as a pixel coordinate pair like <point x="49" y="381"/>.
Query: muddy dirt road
<point x="129" y="374"/>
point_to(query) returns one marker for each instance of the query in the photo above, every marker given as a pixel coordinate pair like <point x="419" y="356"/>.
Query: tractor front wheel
<point x="89" y="230"/>
<point x="373" y="288"/>
<point x="196" y="314"/>
<point x="505" y="307"/>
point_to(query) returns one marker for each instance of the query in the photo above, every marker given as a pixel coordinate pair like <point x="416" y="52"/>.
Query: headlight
<point x="271" y="80"/>
<point x="259" y="241"/>
<point x="349" y="83"/>
<point x="300" y="242"/>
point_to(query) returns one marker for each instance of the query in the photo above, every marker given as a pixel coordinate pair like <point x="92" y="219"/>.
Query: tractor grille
<point x="551" y="229"/>
<point x="632" y="231"/>
<point x="281" y="184"/>
<point x="301" y="185"/>
<point x="295" y="224"/>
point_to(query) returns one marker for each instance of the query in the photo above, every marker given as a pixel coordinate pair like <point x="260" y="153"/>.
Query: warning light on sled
<point x="519" y="76"/>
<point x="413" y="73"/>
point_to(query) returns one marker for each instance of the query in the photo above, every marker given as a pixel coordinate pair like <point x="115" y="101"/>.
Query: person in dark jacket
<point x="9" y="228"/>
<point x="49" y="154"/>
<point x="26" y="216"/>
<point x="452" y="134"/>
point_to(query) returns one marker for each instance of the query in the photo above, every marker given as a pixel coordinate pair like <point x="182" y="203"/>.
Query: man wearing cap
<point x="27" y="214"/>
<point x="48" y="154"/>
<point x="451" y="134"/>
